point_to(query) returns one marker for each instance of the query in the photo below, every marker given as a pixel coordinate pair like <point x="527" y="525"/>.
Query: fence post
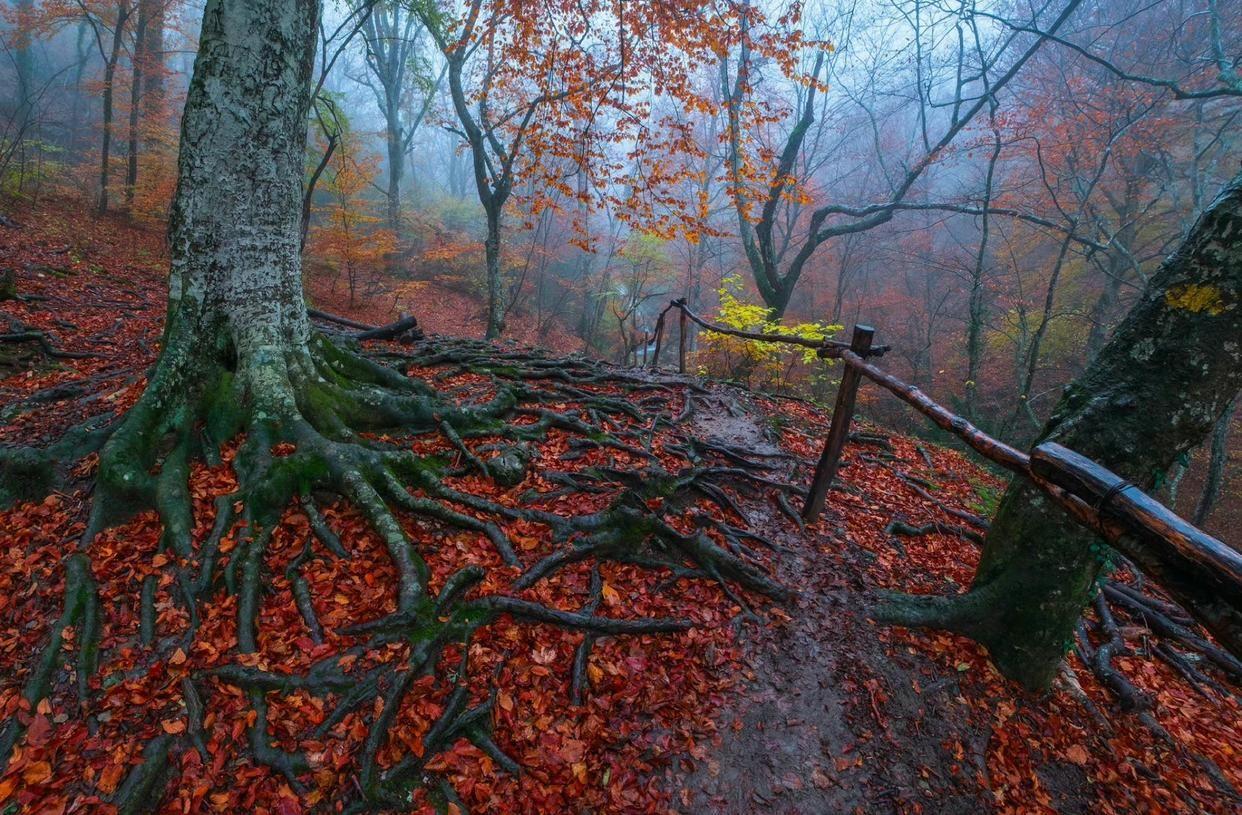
<point x="681" y="341"/>
<point x="659" y="339"/>
<point x="839" y="430"/>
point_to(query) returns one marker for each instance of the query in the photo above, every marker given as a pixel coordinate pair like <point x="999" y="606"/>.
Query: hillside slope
<point x="797" y="705"/>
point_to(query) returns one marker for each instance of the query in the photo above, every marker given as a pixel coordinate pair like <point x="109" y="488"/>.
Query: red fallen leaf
<point x="287" y="803"/>
<point x="53" y="807"/>
<point x="173" y="726"/>
<point x="1077" y="754"/>
<point x="572" y="750"/>
<point x="39" y="732"/>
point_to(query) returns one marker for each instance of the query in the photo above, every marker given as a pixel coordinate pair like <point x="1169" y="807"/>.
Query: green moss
<point x="988" y="497"/>
<point x="223" y="410"/>
<point x="26" y="474"/>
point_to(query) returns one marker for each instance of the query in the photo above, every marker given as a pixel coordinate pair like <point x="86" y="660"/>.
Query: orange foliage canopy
<point x="590" y="104"/>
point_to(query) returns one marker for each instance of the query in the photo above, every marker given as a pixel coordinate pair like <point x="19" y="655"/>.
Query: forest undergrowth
<point x="609" y="566"/>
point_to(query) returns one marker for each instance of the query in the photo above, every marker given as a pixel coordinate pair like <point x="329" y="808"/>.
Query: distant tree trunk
<point x="153" y="50"/>
<point x="82" y="53"/>
<point x="1115" y="273"/>
<point x="135" y="100"/>
<point x="23" y="63"/>
<point x="491" y="247"/>
<point x="105" y="150"/>
<point x="1154" y="392"/>
<point x="976" y="315"/>
<point x="1216" y="465"/>
<point x="396" y="168"/>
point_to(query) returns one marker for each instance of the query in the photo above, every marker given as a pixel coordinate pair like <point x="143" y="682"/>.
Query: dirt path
<point x="831" y="723"/>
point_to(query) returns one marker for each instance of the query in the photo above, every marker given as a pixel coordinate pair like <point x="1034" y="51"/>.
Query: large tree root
<point x="1099" y="659"/>
<point x="307" y="422"/>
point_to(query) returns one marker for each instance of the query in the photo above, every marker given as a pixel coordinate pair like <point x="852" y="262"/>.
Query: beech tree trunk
<point x="495" y="308"/>
<point x="396" y="169"/>
<point x="1154" y="392"/>
<point x="235" y="221"/>
<point x="237" y="320"/>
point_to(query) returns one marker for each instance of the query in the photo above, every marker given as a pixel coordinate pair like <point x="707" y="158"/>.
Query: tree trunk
<point x="23" y="63"/>
<point x="1216" y="465"/>
<point x="1116" y="267"/>
<point x="1153" y="393"/>
<point x="236" y="313"/>
<point x="235" y="222"/>
<point x="491" y="246"/>
<point x="396" y="168"/>
<point x="105" y="150"/>
<point x="977" y="306"/>
<point x="135" y="101"/>
<point x="153" y="50"/>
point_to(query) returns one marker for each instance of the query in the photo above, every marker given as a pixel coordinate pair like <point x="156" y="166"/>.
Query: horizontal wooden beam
<point x="1118" y="500"/>
<point x="992" y="449"/>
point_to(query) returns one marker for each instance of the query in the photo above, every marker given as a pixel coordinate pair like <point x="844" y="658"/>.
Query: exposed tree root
<point x="1099" y="659"/>
<point x="899" y="526"/>
<point x="307" y="422"/>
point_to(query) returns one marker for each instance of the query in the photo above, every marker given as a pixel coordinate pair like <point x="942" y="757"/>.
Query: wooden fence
<point x="1201" y="572"/>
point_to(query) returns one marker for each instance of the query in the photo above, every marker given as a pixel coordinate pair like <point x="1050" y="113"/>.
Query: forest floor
<point x="803" y="706"/>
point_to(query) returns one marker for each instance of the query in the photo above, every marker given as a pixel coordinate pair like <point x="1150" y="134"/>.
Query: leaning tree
<point x="303" y="416"/>
<point x="1153" y="394"/>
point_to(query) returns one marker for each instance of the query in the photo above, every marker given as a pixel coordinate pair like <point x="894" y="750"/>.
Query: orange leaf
<point x="173" y="726"/>
<point x="110" y="778"/>
<point x="37" y="773"/>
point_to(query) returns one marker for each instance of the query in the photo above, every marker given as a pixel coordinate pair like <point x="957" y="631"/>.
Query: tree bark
<point x="1153" y="393"/>
<point x="235" y="221"/>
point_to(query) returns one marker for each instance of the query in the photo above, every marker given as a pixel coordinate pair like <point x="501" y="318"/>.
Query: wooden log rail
<point x="1201" y="572"/>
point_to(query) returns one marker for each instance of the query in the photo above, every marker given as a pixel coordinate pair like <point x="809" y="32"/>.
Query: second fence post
<point x="839" y="430"/>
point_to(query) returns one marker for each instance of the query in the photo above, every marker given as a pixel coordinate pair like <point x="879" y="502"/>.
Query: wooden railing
<point x="1201" y="572"/>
